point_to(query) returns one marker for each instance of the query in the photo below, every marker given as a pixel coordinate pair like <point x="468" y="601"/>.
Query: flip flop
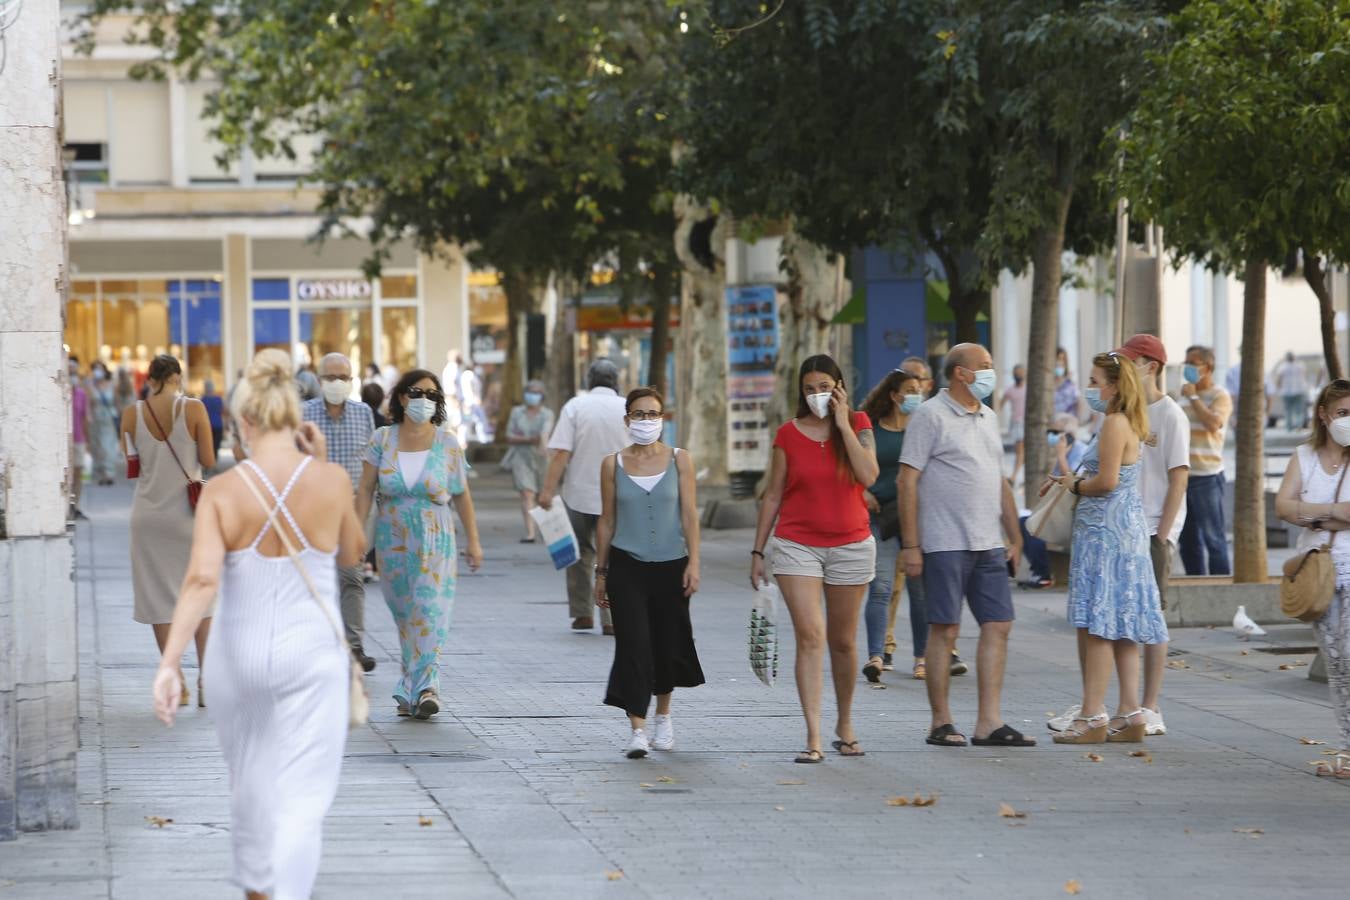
<point x="840" y="745"/>
<point x="1004" y="736"/>
<point x="810" y="757"/>
<point x="938" y="737"/>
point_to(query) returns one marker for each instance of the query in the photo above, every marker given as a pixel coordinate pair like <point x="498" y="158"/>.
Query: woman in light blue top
<point x="646" y="551"/>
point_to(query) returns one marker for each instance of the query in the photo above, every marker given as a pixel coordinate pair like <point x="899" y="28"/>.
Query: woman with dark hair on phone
<point x="888" y="408"/>
<point x="822" y="462"/>
<point x="420" y="471"/>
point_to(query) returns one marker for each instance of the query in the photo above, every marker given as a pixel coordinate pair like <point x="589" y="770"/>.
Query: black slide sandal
<point x="1005" y="736"/>
<point x="938" y="737"/>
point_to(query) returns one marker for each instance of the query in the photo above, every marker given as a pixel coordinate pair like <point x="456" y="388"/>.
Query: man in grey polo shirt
<point x="951" y="471"/>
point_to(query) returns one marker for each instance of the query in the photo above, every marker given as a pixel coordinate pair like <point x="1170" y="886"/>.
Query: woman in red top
<point x="822" y="461"/>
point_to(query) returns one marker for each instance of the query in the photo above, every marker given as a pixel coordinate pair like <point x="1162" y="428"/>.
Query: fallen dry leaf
<point x="1246" y="653"/>
<point x="1178" y="664"/>
<point x="1072" y="886"/>
<point x="158" y="821"/>
<point x="1310" y="742"/>
<point x="778" y="808"/>
<point x="1254" y="832"/>
<point x="1331" y="751"/>
<point x="644" y="784"/>
<point x="1008" y="812"/>
<point x="1143" y="754"/>
<point x="1092" y="757"/>
<point x="1284" y="667"/>
<point x="791" y="781"/>
<point x="666" y="779"/>
<point x="919" y="800"/>
<point x="614" y="875"/>
<point x="424" y="821"/>
<point x="897" y="801"/>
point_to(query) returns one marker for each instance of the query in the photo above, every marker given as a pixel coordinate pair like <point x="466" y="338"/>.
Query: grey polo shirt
<point x="959" y="455"/>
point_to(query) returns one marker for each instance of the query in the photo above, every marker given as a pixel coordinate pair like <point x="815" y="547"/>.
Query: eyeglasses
<point x="643" y="414"/>
<point x="431" y="394"/>
<point x="346" y="378"/>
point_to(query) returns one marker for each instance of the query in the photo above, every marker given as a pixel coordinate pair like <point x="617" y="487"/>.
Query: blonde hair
<point x="1130" y="400"/>
<point x="267" y="398"/>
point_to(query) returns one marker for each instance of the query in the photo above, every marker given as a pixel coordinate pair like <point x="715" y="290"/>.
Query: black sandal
<point x="1004" y="736"/>
<point x="810" y="757"/>
<point x="840" y="745"/>
<point x="938" y="737"/>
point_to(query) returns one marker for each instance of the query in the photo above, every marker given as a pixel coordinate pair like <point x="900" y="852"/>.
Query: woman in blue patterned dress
<point x="1113" y="597"/>
<point x="419" y="471"/>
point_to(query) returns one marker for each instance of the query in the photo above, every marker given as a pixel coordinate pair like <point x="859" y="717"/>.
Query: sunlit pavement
<point x="519" y="787"/>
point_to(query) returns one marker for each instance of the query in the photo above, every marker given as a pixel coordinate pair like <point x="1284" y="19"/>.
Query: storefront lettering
<point x="333" y="289"/>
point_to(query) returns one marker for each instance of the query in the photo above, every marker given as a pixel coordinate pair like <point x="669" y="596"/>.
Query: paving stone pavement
<point x="527" y="795"/>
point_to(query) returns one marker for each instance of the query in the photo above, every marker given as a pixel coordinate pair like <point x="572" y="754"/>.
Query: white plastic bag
<point x="763" y="639"/>
<point x="559" y="538"/>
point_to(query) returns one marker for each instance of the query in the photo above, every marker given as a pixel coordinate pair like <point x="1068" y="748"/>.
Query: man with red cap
<point x="1166" y="466"/>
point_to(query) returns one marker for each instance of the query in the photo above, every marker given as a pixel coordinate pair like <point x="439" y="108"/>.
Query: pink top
<point x="79" y="403"/>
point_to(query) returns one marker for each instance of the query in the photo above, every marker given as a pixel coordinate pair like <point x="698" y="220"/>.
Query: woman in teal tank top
<point x="647" y="568"/>
<point x="889" y="406"/>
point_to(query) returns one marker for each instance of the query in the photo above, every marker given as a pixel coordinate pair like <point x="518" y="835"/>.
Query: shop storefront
<point x="128" y="321"/>
<point x="127" y="304"/>
<point x="312" y="314"/>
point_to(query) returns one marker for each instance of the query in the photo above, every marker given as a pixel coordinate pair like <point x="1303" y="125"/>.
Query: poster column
<point x="752" y="351"/>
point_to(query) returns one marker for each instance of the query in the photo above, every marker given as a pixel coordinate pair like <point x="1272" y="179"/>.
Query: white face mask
<point x="336" y="392"/>
<point x="420" y="410"/>
<point x="819" y="403"/>
<point x="645" y="431"/>
<point x="1340" y="430"/>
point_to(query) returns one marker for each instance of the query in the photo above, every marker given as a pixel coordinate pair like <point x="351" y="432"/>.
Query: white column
<point x="1202" y="326"/>
<point x="38" y="661"/>
<point x="1223" y="335"/>
<point x="178" y="132"/>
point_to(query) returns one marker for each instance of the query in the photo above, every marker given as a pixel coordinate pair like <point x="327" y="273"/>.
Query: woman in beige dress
<point x="165" y="423"/>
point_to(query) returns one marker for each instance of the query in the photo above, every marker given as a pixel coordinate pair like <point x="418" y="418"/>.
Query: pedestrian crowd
<point x="902" y="501"/>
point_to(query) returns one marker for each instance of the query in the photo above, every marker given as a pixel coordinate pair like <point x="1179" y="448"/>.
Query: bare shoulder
<point x="684" y="461"/>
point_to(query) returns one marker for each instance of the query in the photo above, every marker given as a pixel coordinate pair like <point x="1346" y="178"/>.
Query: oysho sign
<point x="333" y="289"/>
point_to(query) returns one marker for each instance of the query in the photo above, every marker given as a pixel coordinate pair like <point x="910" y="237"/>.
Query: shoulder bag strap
<point x="1336" y="497"/>
<point x="168" y="441"/>
<point x="291" y="552"/>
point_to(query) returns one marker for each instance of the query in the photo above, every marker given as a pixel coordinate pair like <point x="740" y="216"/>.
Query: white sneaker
<point x="664" y="738"/>
<point x="1064" y="719"/>
<point x="638" y="747"/>
<point x="1153" y="722"/>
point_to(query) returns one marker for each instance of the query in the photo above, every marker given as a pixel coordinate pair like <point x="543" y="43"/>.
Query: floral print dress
<point x="415" y="544"/>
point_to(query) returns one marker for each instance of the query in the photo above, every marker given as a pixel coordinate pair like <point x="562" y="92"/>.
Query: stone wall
<point x="38" y="711"/>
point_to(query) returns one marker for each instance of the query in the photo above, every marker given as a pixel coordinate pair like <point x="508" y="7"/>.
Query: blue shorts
<point x="978" y="576"/>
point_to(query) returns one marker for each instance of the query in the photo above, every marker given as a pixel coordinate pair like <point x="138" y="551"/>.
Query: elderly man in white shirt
<point x="590" y="427"/>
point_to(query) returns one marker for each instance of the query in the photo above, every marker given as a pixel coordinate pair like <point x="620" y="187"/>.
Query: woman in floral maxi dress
<point x="419" y="471"/>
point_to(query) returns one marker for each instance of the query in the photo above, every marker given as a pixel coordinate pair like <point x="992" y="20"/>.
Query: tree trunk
<point x="1316" y="276"/>
<point x="966" y="308"/>
<point x="520" y="302"/>
<point x="813" y="298"/>
<point x="1046" y="257"/>
<point x="663" y="283"/>
<point x="1249" y="491"/>
<point x="701" y="347"/>
<point x="559" y="372"/>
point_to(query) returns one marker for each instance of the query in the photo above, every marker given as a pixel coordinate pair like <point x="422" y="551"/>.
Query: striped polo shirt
<point x="1206" y="445"/>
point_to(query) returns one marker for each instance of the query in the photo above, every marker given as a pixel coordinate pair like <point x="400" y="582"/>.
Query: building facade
<point x="171" y="253"/>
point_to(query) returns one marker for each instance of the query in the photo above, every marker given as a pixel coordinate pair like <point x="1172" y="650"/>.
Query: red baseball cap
<point x="1144" y="345"/>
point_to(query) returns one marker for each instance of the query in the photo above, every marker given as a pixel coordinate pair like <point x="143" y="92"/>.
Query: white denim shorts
<point x="846" y="564"/>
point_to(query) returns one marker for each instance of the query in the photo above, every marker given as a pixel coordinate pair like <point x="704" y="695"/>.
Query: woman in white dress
<point x="279" y="671"/>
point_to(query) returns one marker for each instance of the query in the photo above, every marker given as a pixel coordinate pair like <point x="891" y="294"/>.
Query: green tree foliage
<point x="1239" y="149"/>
